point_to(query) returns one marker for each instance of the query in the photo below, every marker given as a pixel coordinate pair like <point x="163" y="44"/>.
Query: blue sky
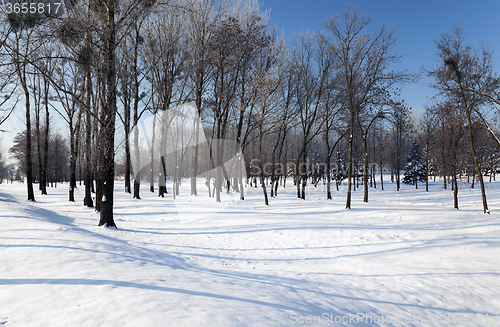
<point x="417" y="23"/>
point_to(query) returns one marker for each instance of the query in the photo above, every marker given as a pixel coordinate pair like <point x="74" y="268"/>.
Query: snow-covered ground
<point x="192" y="262"/>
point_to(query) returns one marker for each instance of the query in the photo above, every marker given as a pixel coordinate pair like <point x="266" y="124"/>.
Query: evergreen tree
<point x="414" y="169"/>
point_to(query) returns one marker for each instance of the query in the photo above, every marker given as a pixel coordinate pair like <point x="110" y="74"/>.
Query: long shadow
<point x="118" y="214"/>
<point x="240" y="229"/>
<point x="161" y="258"/>
<point x="305" y="309"/>
<point x="311" y="310"/>
<point x="270" y="280"/>
<point x="5" y="197"/>
<point x="50" y="216"/>
<point x="136" y="252"/>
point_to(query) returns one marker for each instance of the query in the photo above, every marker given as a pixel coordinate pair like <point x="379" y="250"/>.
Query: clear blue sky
<point x="417" y="23"/>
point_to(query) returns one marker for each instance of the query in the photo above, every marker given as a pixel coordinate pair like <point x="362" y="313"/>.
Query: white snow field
<point x="403" y="259"/>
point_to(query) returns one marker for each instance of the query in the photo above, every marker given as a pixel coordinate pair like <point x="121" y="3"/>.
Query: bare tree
<point x="41" y="97"/>
<point x="166" y="56"/>
<point x="427" y="126"/>
<point x="334" y="132"/>
<point x="459" y="72"/>
<point x="224" y="54"/>
<point x="313" y="66"/>
<point x="22" y="44"/>
<point x="69" y="77"/>
<point x="363" y="59"/>
<point x="200" y="16"/>
<point x="130" y="97"/>
<point x="400" y="119"/>
<point x="454" y="132"/>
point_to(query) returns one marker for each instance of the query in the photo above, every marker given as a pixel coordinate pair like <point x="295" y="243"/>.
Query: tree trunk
<point x="304" y="183"/>
<point x="137" y="174"/>
<point x="218" y="175"/>
<point x="152" y="161"/>
<point x="72" y="165"/>
<point x="87" y="201"/>
<point x="29" y="163"/>
<point x="108" y="139"/>
<point x="241" y="170"/>
<point x="382" y="177"/>
<point x="476" y="164"/>
<point x="198" y="103"/>
<point x="365" y="170"/>
<point x="74" y="144"/>
<point x="328" y="179"/>
<point x="415" y="176"/>
<point x="427" y="176"/>
<point x="298" y="177"/>
<point x="162" y="172"/>
<point x="397" y="173"/>
<point x="263" y="183"/>
<point x="194" y="159"/>
<point x="127" y="147"/>
<point x="38" y="141"/>
<point x="455" y="190"/>
<point x="45" y="158"/>
<point x="349" y="166"/>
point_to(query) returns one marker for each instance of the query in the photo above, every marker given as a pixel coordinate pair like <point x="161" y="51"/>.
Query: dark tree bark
<point x="74" y="144"/>
<point x="137" y="174"/>
<point x="87" y="201"/>
<point x="37" y="104"/>
<point x="21" y="71"/>
<point x="127" y="148"/>
<point x="45" y="159"/>
<point x="349" y="162"/>
<point x="107" y="130"/>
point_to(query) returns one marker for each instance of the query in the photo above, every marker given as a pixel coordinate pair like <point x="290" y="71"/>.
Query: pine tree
<point x="414" y="169"/>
